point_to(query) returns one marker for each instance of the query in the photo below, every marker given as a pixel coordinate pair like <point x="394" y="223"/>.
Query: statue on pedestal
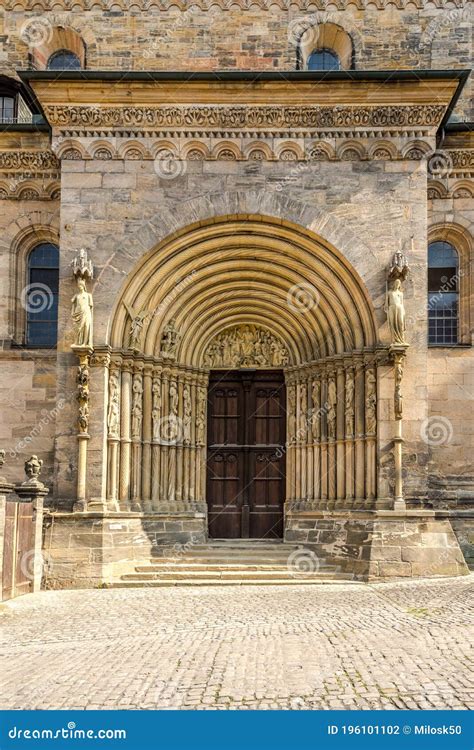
<point x="81" y="313"/>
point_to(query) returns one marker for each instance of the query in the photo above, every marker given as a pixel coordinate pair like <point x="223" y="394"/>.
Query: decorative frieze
<point x="244" y="117"/>
<point x="183" y="5"/>
<point x="28" y="161"/>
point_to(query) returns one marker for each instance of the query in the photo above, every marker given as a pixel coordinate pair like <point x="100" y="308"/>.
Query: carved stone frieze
<point x="29" y="161"/>
<point x="183" y="5"/>
<point x="244" y="117"/>
<point x="245" y="346"/>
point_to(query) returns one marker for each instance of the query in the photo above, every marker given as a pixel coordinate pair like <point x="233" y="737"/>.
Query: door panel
<point x="245" y="469"/>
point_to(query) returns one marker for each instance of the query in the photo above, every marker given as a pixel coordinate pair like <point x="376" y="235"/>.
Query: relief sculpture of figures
<point x="245" y="346"/>
<point x="81" y="313"/>
<point x="113" y="416"/>
<point x="370" y="402"/>
<point x="187" y="414"/>
<point x="349" y="404"/>
<point x="315" y="413"/>
<point x="201" y="417"/>
<point x="291" y="412"/>
<point x="136" y="326"/>
<point x="156" y="408"/>
<point x="303" y="412"/>
<point x="169" y="340"/>
<point x="137" y="407"/>
<point x="331" y="408"/>
<point x="398" y="401"/>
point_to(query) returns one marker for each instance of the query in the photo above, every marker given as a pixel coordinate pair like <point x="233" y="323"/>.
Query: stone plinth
<point x="381" y="545"/>
<point x="93" y="548"/>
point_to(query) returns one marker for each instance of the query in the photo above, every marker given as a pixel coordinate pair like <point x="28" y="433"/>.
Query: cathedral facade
<point x="237" y="271"/>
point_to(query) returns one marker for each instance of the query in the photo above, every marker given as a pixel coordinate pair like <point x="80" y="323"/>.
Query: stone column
<point x="136" y="433"/>
<point x="82" y="396"/>
<point x="359" y="426"/>
<point x="113" y="435"/>
<point x="340" y="443"/>
<point x="398" y="353"/>
<point x="156" y="416"/>
<point x="97" y="449"/>
<point x="370" y="431"/>
<point x="349" y="411"/>
<point x="125" y="440"/>
<point x="147" y="437"/>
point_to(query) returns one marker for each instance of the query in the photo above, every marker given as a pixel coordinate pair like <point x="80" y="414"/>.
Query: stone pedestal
<point x="381" y="545"/>
<point x="94" y="548"/>
<point x="35" y="492"/>
<point x="5" y="490"/>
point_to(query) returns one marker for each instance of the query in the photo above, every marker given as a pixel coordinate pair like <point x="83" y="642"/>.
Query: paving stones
<point x="397" y="645"/>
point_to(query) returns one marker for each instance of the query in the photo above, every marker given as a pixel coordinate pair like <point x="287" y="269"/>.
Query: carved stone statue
<point x="187" y="414"/>
<point x="113" y="413"/>
<point x="169" y="340"/>
<point x="156" y="408"/>
<point x="201" y="417"/>
<point x="136" y="326"/>
<point x="349" y="404"/>
<point x="303" y="412"/>
<point x="370" y="402"/>
<point x="81" y="313"/>
<point x="291" y="412"/>
<point x="32" y="470"/>
<point x="331" y="408"/>
<point x="245" y="346"/>
<point x="395" y="309"/>
<point x="398" y="399"/>
<point x="137" y="407"/>
<point x="315" y="413"/>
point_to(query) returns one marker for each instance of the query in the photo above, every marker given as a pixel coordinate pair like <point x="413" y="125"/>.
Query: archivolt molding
<point x="244" y="272"/>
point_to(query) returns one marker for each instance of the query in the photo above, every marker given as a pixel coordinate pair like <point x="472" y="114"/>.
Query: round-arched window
<point x="323" y="59"/>
<point x="443" y="293"/>
<point x="64" y="59"/>
<point x="40" y="296"/>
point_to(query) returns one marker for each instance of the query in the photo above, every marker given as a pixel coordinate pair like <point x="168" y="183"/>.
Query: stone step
<point x="217" y="565"/>
<point x="320" y="580"/>
<point x="217" y="560"/>
<point x="244" y="574"/>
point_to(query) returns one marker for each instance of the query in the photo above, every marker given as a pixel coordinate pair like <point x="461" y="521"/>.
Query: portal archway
<point x="237" y="292"/>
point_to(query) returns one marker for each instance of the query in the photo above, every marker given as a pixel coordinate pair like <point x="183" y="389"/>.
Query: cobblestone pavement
<point x="398" y="645"/>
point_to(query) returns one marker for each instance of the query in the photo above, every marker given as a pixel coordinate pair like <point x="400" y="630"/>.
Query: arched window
<point x="323" y="59"/>
<point x="443" y="293"/>
<point x="40" y="296"/>
<point x="64" y="60"/>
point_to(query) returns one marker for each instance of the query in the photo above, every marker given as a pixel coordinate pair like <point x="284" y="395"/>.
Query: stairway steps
<point x="188" y="565"/>
<point x="143" y="583"/>
<point x="223" y="575"/>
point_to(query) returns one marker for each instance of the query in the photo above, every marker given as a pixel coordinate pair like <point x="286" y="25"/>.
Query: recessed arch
<point x="248" y="269"/>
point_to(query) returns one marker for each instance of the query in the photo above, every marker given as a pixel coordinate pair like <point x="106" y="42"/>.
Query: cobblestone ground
<point x="403" y="645"/>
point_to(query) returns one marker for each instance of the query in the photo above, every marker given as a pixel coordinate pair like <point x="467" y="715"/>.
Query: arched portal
<point x="244" y="293"/>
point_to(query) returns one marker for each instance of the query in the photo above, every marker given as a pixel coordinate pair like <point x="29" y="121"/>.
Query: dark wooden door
<point x="246" y="454"/>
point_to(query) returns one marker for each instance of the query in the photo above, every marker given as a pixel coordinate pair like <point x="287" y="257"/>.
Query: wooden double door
<point x="246" y="454"/>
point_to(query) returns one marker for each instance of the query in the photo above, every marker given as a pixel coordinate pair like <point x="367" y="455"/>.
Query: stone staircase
<point x="233" y="562"/>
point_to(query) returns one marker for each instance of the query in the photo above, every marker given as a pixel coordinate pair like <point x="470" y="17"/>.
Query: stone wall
<point x="246" y="39"/>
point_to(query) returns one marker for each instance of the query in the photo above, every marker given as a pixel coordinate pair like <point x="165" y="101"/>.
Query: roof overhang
<point x="439" y="88"/>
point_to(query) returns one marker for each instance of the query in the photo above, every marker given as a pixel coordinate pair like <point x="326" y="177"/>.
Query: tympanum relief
<point x="245" y="346"/>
